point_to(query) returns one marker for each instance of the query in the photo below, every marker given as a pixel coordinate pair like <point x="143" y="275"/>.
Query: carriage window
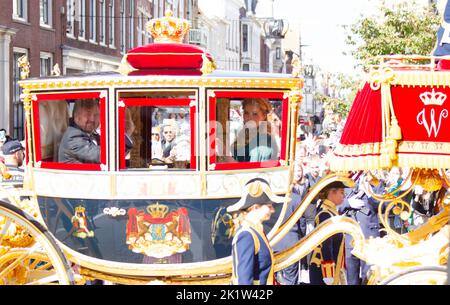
<point x="156" y="136"/>
<point x="68" y="131"/>
<point x="247" y="132"/>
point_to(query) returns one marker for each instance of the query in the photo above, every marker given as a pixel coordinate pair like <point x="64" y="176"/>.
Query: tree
<point x="339" y="93"/>
<point x="406" y="29"/>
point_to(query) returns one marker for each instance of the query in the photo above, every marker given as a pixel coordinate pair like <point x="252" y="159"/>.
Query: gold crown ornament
<point x="157" y="210"/>
<point x="168" y="29"/>
<point x="80" y="209"/>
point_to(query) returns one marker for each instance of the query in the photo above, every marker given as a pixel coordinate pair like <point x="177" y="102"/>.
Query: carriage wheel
<point x="423" y="275"/>
<point x="29" y="254"/>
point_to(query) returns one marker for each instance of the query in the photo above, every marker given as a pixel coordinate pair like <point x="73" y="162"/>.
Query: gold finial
<point x="168" y="29"/>
<point x="56" y="71"/>
<point x="24" y="66"/>
<point x="208" y="66"/>
<point x="125" y="68"/>
<point x="296" y="66"/>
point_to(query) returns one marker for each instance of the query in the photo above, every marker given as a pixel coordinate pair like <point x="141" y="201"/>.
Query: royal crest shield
<point x="157" y="232"/>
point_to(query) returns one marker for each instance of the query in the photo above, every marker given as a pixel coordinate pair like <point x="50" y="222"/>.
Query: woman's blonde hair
<point x="263" y="104"/>
<point x="239" y="216"/>
<point x="266" y="107"/>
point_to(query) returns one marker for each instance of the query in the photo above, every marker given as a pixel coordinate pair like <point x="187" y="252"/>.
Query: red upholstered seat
<point x="167" y="56"/>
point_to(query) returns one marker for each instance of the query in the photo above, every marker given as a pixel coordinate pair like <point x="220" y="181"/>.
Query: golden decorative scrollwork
<point x="330" y="227"/>
<point x="208" y="66"/>
<point x="289" y="223"/>
<point x="125" y="68"/>
<point x="296" y="67"/>
<point x="24" y="66"/>
<point x="429" y="180"/>
<point x="382" y="75"/>
<point x="56" y="71"/>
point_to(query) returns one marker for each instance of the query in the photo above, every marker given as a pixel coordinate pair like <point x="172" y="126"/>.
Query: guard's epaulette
<point x="253" y="234"/>
<point x="321" y="212"/>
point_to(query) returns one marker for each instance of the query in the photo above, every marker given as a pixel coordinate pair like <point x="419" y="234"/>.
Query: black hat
<point x="256" y="191"/>
<point x="335" y="185"/>
<point x="11" y="147"/>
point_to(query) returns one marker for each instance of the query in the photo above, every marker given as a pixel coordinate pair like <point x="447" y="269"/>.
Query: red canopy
<point x="399" y="118"/>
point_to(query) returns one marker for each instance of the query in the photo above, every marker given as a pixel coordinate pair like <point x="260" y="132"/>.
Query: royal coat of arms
<point x="158" y="233"/>
<point x="80" y="227"/>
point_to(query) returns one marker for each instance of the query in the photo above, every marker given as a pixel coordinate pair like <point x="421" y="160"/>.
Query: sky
<point x="320" y="23"/>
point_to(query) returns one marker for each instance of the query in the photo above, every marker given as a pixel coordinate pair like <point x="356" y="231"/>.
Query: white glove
<point x="328" y="280"/>
<point x="356" y="203"/>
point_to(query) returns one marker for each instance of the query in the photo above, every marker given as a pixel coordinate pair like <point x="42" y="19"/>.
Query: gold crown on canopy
<point x="168" y="29"/>
<point x="433" y="98"/>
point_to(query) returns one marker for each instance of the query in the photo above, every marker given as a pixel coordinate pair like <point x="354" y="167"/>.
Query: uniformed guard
<point x="290" y="275"/>
<point x="251" y="252"/>
<point x="12" y="173"/>
<point x="328" y="258"/>
<point x="363" y="208"/>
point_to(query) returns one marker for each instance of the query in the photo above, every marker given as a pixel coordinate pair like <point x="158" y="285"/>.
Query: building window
<point x="161" y="8"/>
<point x="82" y="19"/>
<point x="278" y="53"/>
<point x="155" y="8"/>
<point x="245" y="38"/>
<point x="141" y="33"/>
<point x="111" y="23"/>
<point x="123" y="35"/>
<point x="131" y="26"/>
<point x="46" y="64"/>
<point x="189" y="10"/>
<point x="20" y="9"/>
<point x="102" y="21"/>
<point x="182" y="9"/>
<point x="245" y="67"/>
<point x="46" y="12"/>
<point x="70" y="6"/>
<point x="92" y="24"/>
<point x="175" y="10"/>
<point x="18" y="114"/>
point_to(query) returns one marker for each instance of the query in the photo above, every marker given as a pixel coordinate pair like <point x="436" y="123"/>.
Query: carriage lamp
<point x="276" y="28"/>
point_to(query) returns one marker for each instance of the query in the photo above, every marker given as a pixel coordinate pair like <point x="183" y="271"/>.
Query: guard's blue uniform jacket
<point x="443" y="41"/>
<point x="252" y="256"/>
<point x="327" y="258"/>
<point x="367" y="217"/>
<point x="289" y="275"/>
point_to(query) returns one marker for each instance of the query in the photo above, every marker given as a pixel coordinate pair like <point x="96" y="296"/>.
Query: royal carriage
<point x="134" y="214"/>
<point x="133" y="217"/>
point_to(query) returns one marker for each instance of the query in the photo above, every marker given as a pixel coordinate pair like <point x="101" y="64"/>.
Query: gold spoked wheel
<point x="419" y="276"/>
<point x="28" y="252"/>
